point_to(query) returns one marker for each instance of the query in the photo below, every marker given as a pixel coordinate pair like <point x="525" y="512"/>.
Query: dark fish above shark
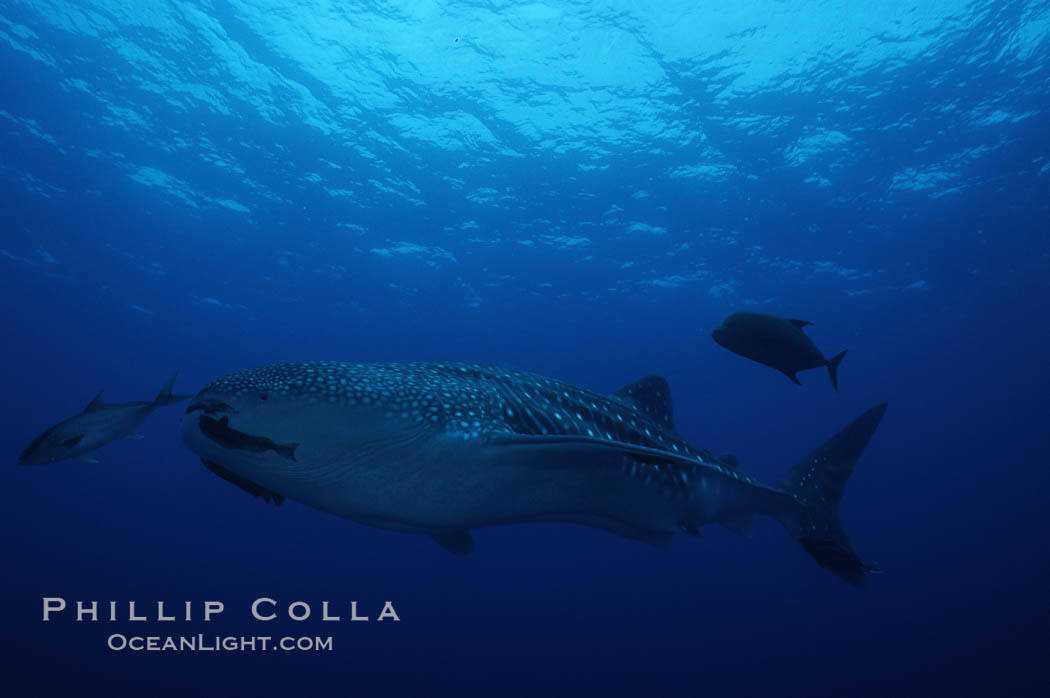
<point x="441" y="448"/>
<point x="95" y="427"/>
<point x="777" y="342"/>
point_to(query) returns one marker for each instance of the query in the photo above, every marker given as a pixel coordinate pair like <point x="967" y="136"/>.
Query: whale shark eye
<point x="72" y="441"/>
<point x="264" y="396"/>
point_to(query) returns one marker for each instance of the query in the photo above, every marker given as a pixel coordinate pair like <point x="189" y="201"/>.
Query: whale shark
<point x="95" y="427"/>
<point x="442" y="448"/>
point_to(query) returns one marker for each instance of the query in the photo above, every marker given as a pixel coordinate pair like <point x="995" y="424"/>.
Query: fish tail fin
<point x="165" y="396"/>
<point x="833" y="368"/>
<point x="816" y="484"/>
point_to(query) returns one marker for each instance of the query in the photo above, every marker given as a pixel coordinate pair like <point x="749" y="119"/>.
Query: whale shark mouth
<point x="220" y="431"/>
<point x="210" y="407"/>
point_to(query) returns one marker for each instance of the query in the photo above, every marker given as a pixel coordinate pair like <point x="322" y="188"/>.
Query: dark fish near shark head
<point x="219" y="431"/>
<point x="96" y="426"/>
<point x="441" y="448"/>
<point x="775" y="341"/>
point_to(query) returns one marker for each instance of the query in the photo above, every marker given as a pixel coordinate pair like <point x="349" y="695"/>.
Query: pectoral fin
<point x="88" y="458"/>
<point x="739" y="524"/>
<point x="456" y="542"/>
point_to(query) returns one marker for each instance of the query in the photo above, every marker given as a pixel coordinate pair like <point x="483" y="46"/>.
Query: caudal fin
<point x="833" y="368"/>
<point x="816" y="485"/>
<point x="165" y="397"/>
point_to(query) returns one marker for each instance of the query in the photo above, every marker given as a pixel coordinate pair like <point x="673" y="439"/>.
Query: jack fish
<point x="777" y="342"/>
<point x="95" y="427"/>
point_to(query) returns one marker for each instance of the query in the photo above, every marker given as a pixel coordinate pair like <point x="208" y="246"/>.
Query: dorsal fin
<point x="96" y="402"/>
<point x="729" y="460"/>
<point x="799" y="323"/>
<point x="651" y="395"/>
<point x="244" y="483"/>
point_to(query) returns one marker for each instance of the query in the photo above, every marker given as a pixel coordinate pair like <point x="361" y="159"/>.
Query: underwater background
<point x="580" y="189"/>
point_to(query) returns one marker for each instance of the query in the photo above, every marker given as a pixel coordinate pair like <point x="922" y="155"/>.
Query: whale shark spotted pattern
<point x="440" y="448"/>
<point x="473" y="401"/>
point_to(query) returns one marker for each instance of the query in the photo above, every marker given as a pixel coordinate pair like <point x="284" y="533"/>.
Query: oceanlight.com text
<point x="217" y="643"/>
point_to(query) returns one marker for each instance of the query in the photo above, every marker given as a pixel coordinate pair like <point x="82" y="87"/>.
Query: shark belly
<point x="421" y="483"/>
<point x="407" y="478"/>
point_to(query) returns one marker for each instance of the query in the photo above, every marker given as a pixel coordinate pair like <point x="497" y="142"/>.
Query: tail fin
<point x="816" y="484"/>
<point x="164" y="397"/>
<point x="833" y="368"/>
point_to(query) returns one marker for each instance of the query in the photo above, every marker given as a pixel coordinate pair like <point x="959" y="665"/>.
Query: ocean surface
<point x="579" y="189"/>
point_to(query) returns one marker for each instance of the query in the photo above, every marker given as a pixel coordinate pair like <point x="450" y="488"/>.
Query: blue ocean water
<point x="580" y="189"/>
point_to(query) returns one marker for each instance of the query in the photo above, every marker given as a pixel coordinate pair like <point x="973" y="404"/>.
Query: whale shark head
<point x="301" y="430"/>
